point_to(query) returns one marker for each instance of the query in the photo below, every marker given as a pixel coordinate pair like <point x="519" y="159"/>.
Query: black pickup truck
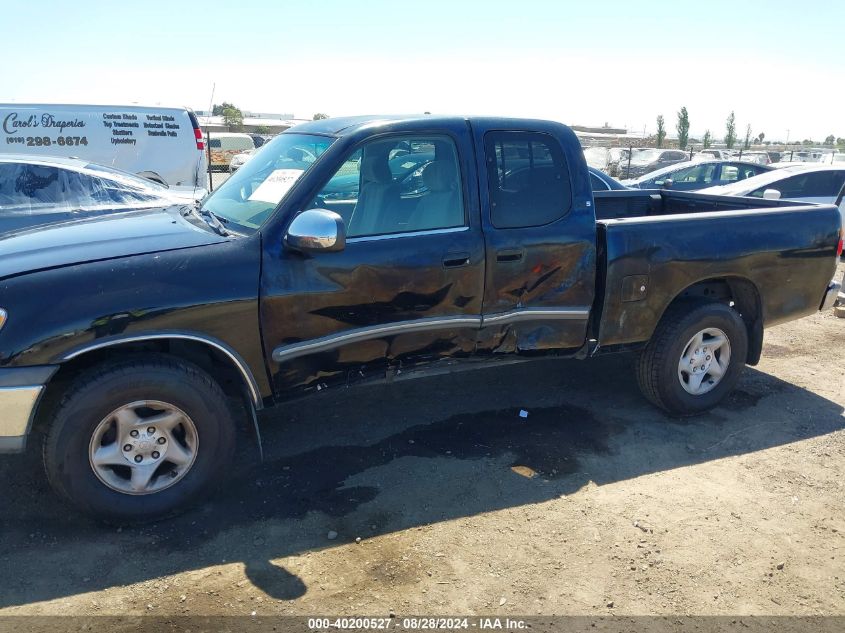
<point x="369" y="248"/>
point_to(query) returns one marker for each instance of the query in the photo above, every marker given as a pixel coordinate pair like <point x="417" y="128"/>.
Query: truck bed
<point x="654" y="245"/>
<point x="646" y="202"/>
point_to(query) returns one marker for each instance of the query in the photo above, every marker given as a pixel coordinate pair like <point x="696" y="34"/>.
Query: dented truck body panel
<point x="379" y="305"/>
<point x="539" y="280"/>
<point x="787" y="254"/>
<point x="207" y="292"/>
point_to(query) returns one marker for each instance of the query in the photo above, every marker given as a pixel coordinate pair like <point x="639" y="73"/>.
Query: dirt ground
<point x="596" y="503"/>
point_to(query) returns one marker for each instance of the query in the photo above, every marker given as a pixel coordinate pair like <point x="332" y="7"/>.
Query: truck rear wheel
<point x="694" y="358"/>
<point x="139" y="439"/>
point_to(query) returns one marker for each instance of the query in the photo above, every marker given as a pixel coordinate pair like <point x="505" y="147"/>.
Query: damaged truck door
<point x="407" y="287"/>
<point x="539" y="235"/>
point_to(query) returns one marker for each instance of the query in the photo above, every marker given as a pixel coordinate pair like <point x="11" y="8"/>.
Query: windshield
<point x="645" y="156"/>
<point x="251" y="194"/>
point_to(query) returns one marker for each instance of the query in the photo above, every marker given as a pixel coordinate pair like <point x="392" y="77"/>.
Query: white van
<point x="223" y="146"/>
<point x="164" y="145"/>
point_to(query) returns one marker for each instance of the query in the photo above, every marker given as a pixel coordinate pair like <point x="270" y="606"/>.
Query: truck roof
<point x="342" y="126"/>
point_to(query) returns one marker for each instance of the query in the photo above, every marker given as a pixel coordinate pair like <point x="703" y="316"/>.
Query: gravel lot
<point x="594" y="504"/>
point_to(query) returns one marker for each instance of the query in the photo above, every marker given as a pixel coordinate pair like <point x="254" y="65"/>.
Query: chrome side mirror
<point x="316" y="230"/>
<point x="771" y="194"/>
<point x="668" y="183"/>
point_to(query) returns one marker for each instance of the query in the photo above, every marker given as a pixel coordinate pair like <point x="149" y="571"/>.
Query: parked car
<point x="718" y="154"/>
<point x="833" y="158"/>
<point x="761" y="158"/>
<point x="164" y="145"/>
<point x="259" y="139"/>
<point x="266" y="293"/>
<point x="600" y="181"/>
<point x="598" y="157"/>
<point x="801" y="156"/>
<point x="697" y="175"/>
<point x="238" y="160"/>
<point x="801" y="181"/>
<point x="618" y="156"/>
<point x="644" y="161"/>
<point x="35" y="191"/>
<point x="223" y="146"/>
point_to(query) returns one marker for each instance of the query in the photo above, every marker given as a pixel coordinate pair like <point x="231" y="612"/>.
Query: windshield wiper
<point x="214" y="221"/>
<point x="209" y="217"/>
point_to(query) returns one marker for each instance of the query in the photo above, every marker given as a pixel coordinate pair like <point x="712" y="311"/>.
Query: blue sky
<point x="779" y="65"/>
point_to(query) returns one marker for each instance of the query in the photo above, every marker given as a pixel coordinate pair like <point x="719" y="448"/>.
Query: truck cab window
<point x="397" y="185"/>
<point x="528" y="179"/>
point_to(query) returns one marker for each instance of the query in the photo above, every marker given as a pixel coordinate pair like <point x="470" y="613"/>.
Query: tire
<point x="83" y="449"/>
<point x="660" y="367"/>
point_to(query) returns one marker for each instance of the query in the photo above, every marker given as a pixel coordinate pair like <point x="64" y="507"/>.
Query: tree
<point x="829" y="140"/>
<point x="683" y="127"/>
<point x="730" y="131"/>
<point x="840" y="141"/>
<point x="233" y="118"/>
<point x="747" y="143"/>
<point x="320" y="116"/>
<point x="707" y="140"/>
<point x="661" y="130"/>
<point x="263" y="129"/>
<point x="217" y="110"/>
<point x="760" y="137"/>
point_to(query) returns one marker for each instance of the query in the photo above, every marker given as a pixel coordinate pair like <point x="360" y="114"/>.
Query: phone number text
<point x="47" y="141"/>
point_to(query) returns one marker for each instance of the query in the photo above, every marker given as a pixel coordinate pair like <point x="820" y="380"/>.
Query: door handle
<point x="455" y="260"/>
<point x="509" y="255"/>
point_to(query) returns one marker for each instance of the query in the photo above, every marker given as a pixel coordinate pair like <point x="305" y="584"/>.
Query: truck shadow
<point x="376" y="460"/>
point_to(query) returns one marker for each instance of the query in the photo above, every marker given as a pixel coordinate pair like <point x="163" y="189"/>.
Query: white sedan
<point x="39" y="190"/>
<point x="808" y="182"/>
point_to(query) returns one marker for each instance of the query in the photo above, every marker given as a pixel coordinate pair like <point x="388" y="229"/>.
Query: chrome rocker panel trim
<point x="294" y="350"/>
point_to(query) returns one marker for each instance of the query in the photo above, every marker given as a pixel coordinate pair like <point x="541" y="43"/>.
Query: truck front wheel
<point x="694" y="358"/>
<point x="139" y="439"/>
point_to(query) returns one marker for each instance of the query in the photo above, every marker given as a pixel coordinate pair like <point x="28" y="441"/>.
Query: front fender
<point x="210" y="291"/>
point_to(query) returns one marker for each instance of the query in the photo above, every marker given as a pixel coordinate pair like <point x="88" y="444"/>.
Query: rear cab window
<point x="528" y="179"/>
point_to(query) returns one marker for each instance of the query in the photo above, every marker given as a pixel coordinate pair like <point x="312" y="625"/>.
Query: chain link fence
<point x="227" y="151"/>
<point x="624" y="158"/>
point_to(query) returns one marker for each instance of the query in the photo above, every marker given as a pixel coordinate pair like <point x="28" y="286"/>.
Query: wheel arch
<point x="225" y="364"/>
<point x="740" y="293"/>
<point x="218" y="359"/>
